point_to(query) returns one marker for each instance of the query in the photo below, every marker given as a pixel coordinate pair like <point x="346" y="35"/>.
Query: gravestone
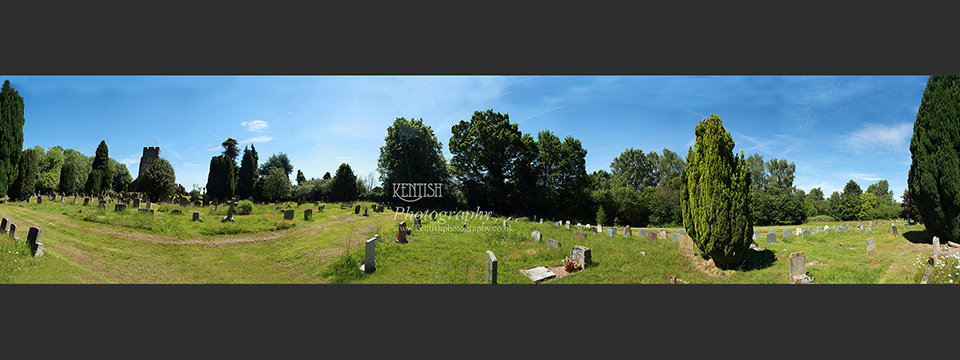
<point x="28" y="200"/>
<point x="541" y="220"/>
<point x="536" y="236"/>
<point x="582" y="235"/>
<point x="686" y="245"/>
<point x="39" y="200"/>
<point x="868" y="229"/>
<point x="491" y="276"/>
<point x="464" y="224"/>
<point x="568" y="224"/>
<point x="594" y="229"/>
<point x="553" y="243"/>
<point x="771" y="238"/>
<point x="13" y="231"/>
<point x="652" y="236"/>
<point x="149" y="205"/>
<point x="893" y="228"/>
<point x="33" y="238"/>
<point x="120" y="207"/>
<point x="3" y="225"/>
<point x="662" y="234"/>
<point x="416" y="222"/>
<point x="799" y="231"/>
<point x="86" y="201"/>
<point x="675" y="236"/>
<point x="146" y="211"/>
<point x="805" y="233"/>
<point x="936" y="248"/>
<point x="786" y="233"/>
<point x="581" y="256"/>
<point x="321" y="208"/>
<point x="538" y="274"/>
<point x="504" y="223"/>
<point x="402" y="233"/>
<point x="627" y="231"/>
<point x="643" y="232"/>
<point x="798" y="266"/>
<point x="307" y="214"/>
<point x="356" y="210"/>
<point x="288" y="214"/>
<point x="611" y="231"/>
<point x="682" y="232"/>
<point x="196" y="216"/>
<point x="846" y="227"/>
<point x="136" y="203"/>
<point x="870" y="244"/>
<point x="810" y="229"/>
<point x="756" y="235"/>
<point x="772" y="232"/>
<point x="599" y="228"/>
<point x="368" y="256"/>
<point x="579" y="227"/>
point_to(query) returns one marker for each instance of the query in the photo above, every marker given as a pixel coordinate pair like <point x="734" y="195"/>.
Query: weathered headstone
<point x="579" y="227"/>
<point x="356" y="210"/>
<point x="893" y="228"/>
<point x="652" y="236"/>
<point x="799" y="231"/>
<point x="771" y="238"/>
<point x="196" y="216"/>
<point x="491" y="276"/>
<point x="599" y="228"/>
<point x="536" y="236"/>
<point x="120" y="207"/>
<point x="538" y="274"/>
<point x="149" y="205"/>
<point x="643" y="232"/>
<point x="33" y="238"/>
<point x="368" y="256"/>
<point x="307" y="214"/>
<point x="595" y="229"/>
<point x="627" y="231"/>
<point x="675" y="236"/>
<point x="798" y="265"/>
<point x="136" y="203"/>
<point x="936" y="248"/>
<point x="868" y="230"/>
<point x="553" y="243"/>
<point x="786" y="233"/>
<point x="86" y="201"/>
<point x="756" y="235"/>
<point x="581" y="256"/>
<point x="771" y="231"/>
<point x="541" y="220"/>
<point x="13" y="231"/>
<point x="686" y="245"/>
<point x="870" y="244"/>
<point x="805" y="233"/>
<point x="567" y="224"/>
<point x="39" y="199"/>
<point x="288" y="214"/>
<point x="611" y="231"/>
<point x="3" y="225"/>
<point x="662" y="234"/>
<point x="402" y="233"/>
<point x="581" y="235"/>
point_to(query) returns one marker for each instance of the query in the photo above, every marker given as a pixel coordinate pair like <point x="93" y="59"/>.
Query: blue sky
<point x="834" y="129"/>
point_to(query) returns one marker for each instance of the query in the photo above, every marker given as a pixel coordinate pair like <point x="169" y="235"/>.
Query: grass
<point x="108" y="247"/>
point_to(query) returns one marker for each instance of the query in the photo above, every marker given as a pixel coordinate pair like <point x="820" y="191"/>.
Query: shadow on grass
<point x="918" y="237"/>
<point x="756" y="260"/>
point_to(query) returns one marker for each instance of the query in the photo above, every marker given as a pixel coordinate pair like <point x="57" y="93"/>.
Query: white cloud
<point x="188" y="164"/>
<point x="867" y="177"/>
<point x="259" y="139"/>
<point x="877" y="138"/>
<point x="255" y="125"/>
<point x="215" y="148"/>
<point x="130" y="160"/>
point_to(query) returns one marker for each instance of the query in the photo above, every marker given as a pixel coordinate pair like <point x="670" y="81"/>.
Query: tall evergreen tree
<point x="101" y="167"/>
<point x="715" y="195"/>
<point x="411" y="154"/>
<point x="300" y="178"/>
<point x="68" y="178"/>
<point x="159" y="180"/>
<point x="343" y="187"/>
<point x="248" y="172"/>
<point x="934" y="177"/>
<point x="11" y="135"/>
<point x="24" y="185"/>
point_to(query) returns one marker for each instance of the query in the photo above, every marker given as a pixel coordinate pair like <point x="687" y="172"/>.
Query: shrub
<point x="245" y="207"/>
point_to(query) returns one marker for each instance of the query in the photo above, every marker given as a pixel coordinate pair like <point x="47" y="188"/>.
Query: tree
<point x="669" y="168"/>
<point x="934" y="177"/>
<point x="51" y="162"/>
<point x="24" y="185"/>
<point x="121" y="176"/>
<point x="247" y="176"/>
<point x="101" y="167"/>
<point x="815" y="194"/>
<point x="882" y="191"/>
<point x="868" y="204"/>
<point x="277" y="185"/>
<point x="326" y="176"/>
<point x="158" y="180"/>
<point x="907" y="211"/>
<point x="68" y="178"/>
<point x="82" y="166"/>
<point x="852" y="188"/>
<point x="758" y="172"/>
<point x="411" y="154"/>
<point x="780" y="174"/>
<point x="221" y="179"/>
<point x="601" y="216"/>
<point x="230" y="149"/>
<point x="300" y="177"/>
<point x="279" y="160"/>
<point x="11" y="135"/>
<point x="634" y="169"/>
<point x="485" y="154"/>
<point x="343" y="187"/>
<point x="715" y="195"/>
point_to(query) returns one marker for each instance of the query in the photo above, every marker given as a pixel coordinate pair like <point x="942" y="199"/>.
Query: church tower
<point x="149" y="155"/>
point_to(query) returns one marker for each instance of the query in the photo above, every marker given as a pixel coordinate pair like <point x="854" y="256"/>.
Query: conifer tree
<point x="11" y="135"/>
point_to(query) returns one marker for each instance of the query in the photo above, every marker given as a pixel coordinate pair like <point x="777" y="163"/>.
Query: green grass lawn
<point x="92" y="246"/>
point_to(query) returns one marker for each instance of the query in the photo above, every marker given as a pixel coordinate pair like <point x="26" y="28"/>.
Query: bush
<point x="245" y="207"/>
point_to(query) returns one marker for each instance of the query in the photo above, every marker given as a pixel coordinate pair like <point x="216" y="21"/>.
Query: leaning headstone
<point x="686" y="245"/>
<point x="662" y="234"/>
<point x="893" y="228"/>
<point x="491" y="276"/>
<point x="936" y="247"/>
<point x="13" y="231"/>
<point x="288" y="214"/>
<point x="3" y="225"/>
<point x="581" y="256"/>
<point x="771" y="238"/>
<point x="368" y="256"/>
<point x="536" y="236"/>
<point x="307" y="214"/>
<point x="798" y="265"/>
<point x="553" y="243"/>
<point x="870" y="244"/>
<point x="33" y="238"/>
<point x="611" y="231"/>
<point x="402" y="233"/>
<point x="356" y="210"/>
<point x="627" y="231"/>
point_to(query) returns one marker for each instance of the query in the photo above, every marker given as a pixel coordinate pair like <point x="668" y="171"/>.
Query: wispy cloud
<point x="878" y="138"/>
<point x="189" y="164"/>
<point x="259" y="139"/>
<point x="130" y="160"/>
<point x="256" y="125"/>
<point x="867" y="177"/>
<point x="215" y="148"/>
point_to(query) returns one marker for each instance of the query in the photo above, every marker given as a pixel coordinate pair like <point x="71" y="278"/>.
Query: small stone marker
<point x="756" y="235"/>
<point x="819" y="229"/>
<point x="926" y="276"/>
<point x="39" y="199"/>
<point x="356" y="210"/>
<point x="771" y="238"/>
<point x="786" y="233"/>
<point x="893" y="228"/>
<point x="675" y="236"/>
<point x="582" y="235"/>
<point x="936" y="248"/>
<point x="599" y="228"/>
<point x="33" y="238"/>
<point x="581" y="256"/>
<point x="402" y="232"/>
<point x="798" y="265"/>
<point x="120" y="207"/>
<point x="805" y="233"/>
<point x="799" y="231"/>
<point x="643" y="232"/>
<point x="594" y="229"/>
<point x="627" y="231"/>
<point x="538" y="274"/>
<point x="579" y="227"/>
<point x="870" y="244"/>
<point x="652" y="236"/>
<point x="13" y="231"/>
<point x="682" y="232"/>
<point x="86" y="201"/>
<point x="662" y="235"/>
<point x="771" y="232"/>
<point x="686" y="245"/>
<point x="3" y="225"/>
<point x="553" y="243"/>
<point x="491" y="276"/>
<point x="868" y="229"/>
<point x="541" y="220"/>
<point x="196" y="216"/>
<point x="368" y="257"/>
<point x="307" y="214"/>
<point x="504" y="223"/>
<point x="536" y="235"/>
<point x="288" y="214"/>
<point x="610" y="232"/>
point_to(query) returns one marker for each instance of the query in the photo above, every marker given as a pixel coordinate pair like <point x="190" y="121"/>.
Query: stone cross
<point x="491" y="276"/>
<point x="368" y="256"/>
<point x="870" y="244"/>
<point x="798" y="265"/>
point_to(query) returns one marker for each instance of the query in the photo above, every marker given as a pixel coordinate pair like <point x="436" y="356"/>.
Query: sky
<point x="834" y="128"/>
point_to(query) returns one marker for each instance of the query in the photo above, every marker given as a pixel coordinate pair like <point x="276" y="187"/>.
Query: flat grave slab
<point x="538" y="274"/>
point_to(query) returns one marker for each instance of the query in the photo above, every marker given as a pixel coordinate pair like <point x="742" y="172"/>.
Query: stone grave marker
<point x="402" y="233"/>
<point x="136" y="203"/>
<point x="149" y="205"/>
<point x="356" y="210"/>
<point x="936" y="248"/>
<point x="594" y="229"/>
<point x="567" y="224"/>
<point x="196" y="216"/>
<point x="798" y="266"/>
<point x="13" y="231"/>
<point x="662" y="234"/>
<point x="682" y="232"/>
<point x="799" y="231"/>
<point x="369" y="263"/>
<point x="39" y="200"/>
<point x="504" y="223"/>
<point x="771" y="238"/>
<point x="652" y="236"/>
<point x="33" y="238"/>
<point x="3" y="225"/>
<point x="771" y="232"/>
<point x="307" y="214"/>
<point x="643" y="232"/>
<point x="627" y="231"/>
<point x="581" y="256"/>
<point x="805" y="233"/>
<point x="786" y="233"/>
<point x="538" y="274"/>
<point x="120" y="207"/>
<point x="686" y="245"/>
<point x="288" y="214"/>
<point x="756" y="235"/>
<point x="536" y="235"/>
<point x="610" y="232"/>
<point x="675" y="236"/>
<point x="579" y="227"/>
<point x="581" y="235"/>
<point x="416" y="222"/>
<point x="893" y="228"/>
<point x="599" y="228"/>
<point x="868" y="229"/>
<point x="86" y="201"/>
<point x="553" y="243"/>
<point x="541" y="220"/>
<point x="870" y="244"/>
<point x="491" y="275"/>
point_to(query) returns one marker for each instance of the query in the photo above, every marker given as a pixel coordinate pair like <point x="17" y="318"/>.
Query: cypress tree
<point x="934" y="177"/>
<point x="27" y="170"/>
<point x="715" y="195"/>
<point x="68" y="178"/>
<point x="248" y="172"/>
<point x="11" y="135"/>
<point x="343" y="187"/>
<point x="101" y="167"/>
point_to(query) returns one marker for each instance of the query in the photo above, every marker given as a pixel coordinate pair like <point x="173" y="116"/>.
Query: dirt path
<point x="135" y="235"/>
